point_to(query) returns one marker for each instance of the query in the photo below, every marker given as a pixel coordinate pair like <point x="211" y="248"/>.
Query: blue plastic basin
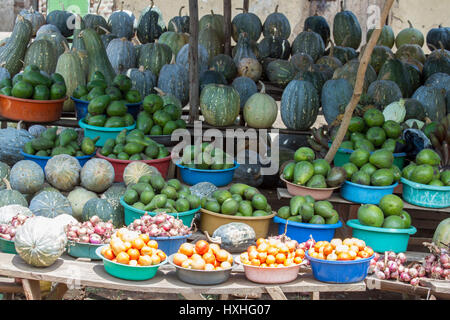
<point x="102" y="132"/>
<point x="170" y="245"/>
<point x="425" y="195"/>
<point x="219" y="178"/>
<point x="359" y="193"/>
<point x="382" y="239"/>
<point x="339" y="271"/>
<point x="303" y="231"/>
<point x="81" y="108"/>
<point x="42" y="161"/>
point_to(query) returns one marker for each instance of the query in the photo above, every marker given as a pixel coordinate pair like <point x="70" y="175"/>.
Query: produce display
<point x="161" y="225"/>
<point x="133" y="249"/>
<point x="273" y="253"/>
<point x="34" y="84"/>
<point x="372" y="169"/>
<point x="93" y="231"/>
<point x="159" y="117"/>
<point x="133" y="145"/>
<point x="388" y="214"/>
<point x="239" y="200"/>
<point x="307" y="210"/>
<point x="340" y="250"/>
<point x="8" y="230"/>
<point x="206" y="157"/>
<point x="68" y="141"/>
<point x="425" y="169"/>
<point x="202" y="255"/>
<point x="312" y="173"/>
<point x="152" y="193"/>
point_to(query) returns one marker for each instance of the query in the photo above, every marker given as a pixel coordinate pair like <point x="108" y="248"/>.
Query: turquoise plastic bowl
<point x="343" y="156"/>
<point x="424" y="195"/>
<point x="7" y="246"/>
<point x="303" y="231"/>
<point x="339" y="271"/>
<point x="126" y="272"/>
<point x="131" y="214"/>
<point x="42" y="161"/>
<point x="359" y="193"/>
<point x="219" y="178"/>
<point x="102" y="132"/>
<point x="382" y="239"/>
<point x="81" y="108"/>
<point x="83" y="250"/>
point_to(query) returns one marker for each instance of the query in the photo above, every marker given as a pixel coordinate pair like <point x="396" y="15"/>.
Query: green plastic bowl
<point x="382" y="239"/>
<point x="126" y="272"/>
<point x="7" y="246"/>
<point x="424" y="195"/>
<point x="131" y="214"/>
<point x="83" y="250"/>
<point x="102" y="132"/>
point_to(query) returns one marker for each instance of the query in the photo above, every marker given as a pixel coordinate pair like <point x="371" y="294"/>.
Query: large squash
<point x="148" y="29"/>
<point x="330" y="60"/>
<point x="319" y="25"/>
<point x="437" y="61"/>
<point x="9" y="196"/>
<point x="219" y="104"/>
<point x="4" y="174"/>
<point x="244" y="49"/>
<point x="36" y="18"/>
<point x="395" y="70"/>
<point x="438" y="35"/>
<point x="214" y="21"/>
<point x="225" y="65"/>
<point x="40" y="241"/>
<point x="42" y="53"/>
<point x="335" y="93"/>
<point x="349" y="71"/>
<point x="246" y="22"/>
<point x="211" y="76"/>
<point x="135" y="170"/>
<point x="182" y="58"/>
<point x="274" y="47"/>
<point x="409" y="35"/>
<point x="77" y="198"/>
<point x="411" y="51"/>
<point x="95" y="21"/>
<point x="63" y="172"/>
<point x="249" y="67"/>
<point x="113" y="195"/>
<point x="98" y="207"/>
<point x="50" y="204"/>
<point x="379" y="56"/>
<point x="260" y="110"/>
<point x="210" y="39"/>
<point x="12" y="141"/>
<point x="57" y="39"/>
<point x="175" y="40"/>
<point x="433" y="99"/>
<point x="280" y="72"/>
<point x="347" y="30"/>
<point x="245" y="87"/>
<point x="387" y="37"/>
<point x="179" y="23"/>
<point x="153" y="56"/>
<point x="441" y="236"/>
<point x="97" y="175"/>
<point x="26" y="176"/>
<point x="383" y="92"/>
<point x="277" y="24"/>
<point x="121" y="23"/>
<point x="174" y="79"/>
<point x="300" y="103"/>
<point x="142" y="80"/>
<point x="302" y="61"/>
<point x="61" y="19"/>
<point x="122" y="55"/>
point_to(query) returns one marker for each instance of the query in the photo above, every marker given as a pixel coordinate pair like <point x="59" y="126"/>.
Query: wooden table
<point x="70" y="273"/>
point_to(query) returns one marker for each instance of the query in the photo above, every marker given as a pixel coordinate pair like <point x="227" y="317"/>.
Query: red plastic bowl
<point x="119" y="165"/>
<point x="31" y="110"/>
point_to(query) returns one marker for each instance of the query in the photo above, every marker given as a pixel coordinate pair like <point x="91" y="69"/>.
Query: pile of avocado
<point x="50" y="144"/>
<point x="158" y="118"/>
<point x="307" y="210"/>
<point x="372" y="132"/>
<point x="312" y="173"/>
<point x="239" y="200"/>
<point x="34" y="84"/>
<point x="206" y="157"/>
<point x="425" y="170"/>
<point x="133" y="146"/>
<point x="153" y="194"/>
<point x="388" y="214"/>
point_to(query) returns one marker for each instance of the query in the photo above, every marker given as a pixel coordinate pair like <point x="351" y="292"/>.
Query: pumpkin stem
<point x="243" y="9"/>
<point x="212" y="12"/>
<point x="442" y="46"/>
<point x="432" y="46"/>
<point x="276" y="8"/>
<point x="331" y="48"/>
<point x="159" y="91"/>
<point x="66" y="48"/>
<point x="342" y="6"/>
<point x="104" y="29"/>
<point x="98" y="6"/>
<point x="179" y="12"/>
<point x="121" y="6"/>
<point x="152" y="3"/>
<point x="77" y="22"/>
<point x="410" y="24"/>
<point x="7" y="184"/>
<point x="263" y="87"/>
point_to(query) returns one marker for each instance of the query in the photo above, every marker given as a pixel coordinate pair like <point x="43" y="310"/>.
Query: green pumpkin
<point x="409" y="35"/>
<point x="148" y="29"/>
<point x="280" y="72"/>
<point x="63" y="172"/>
<point x="335" y="93"/>
<point x="9" y="196"/>
<point x="379" y="56"/>
<point x="225" y="65"/>
<point x="78" y="198"/>
<point x="42" y="53"/>
<point x="260" y="110"/>
<point x="214" y="21"/>
<point x="113" y="195"/>
<point x="219" y="104"/>
<point x="383" y="92"/>
<point x="347" y="30"/>
<point x="395" y="70"/>
<point x="153" y="56"/>
<point x="413" y="51"/>
<point x="175" y="40"/>
<point x="349" y="72"/>
<point x="330" y="60"/>
<point x="319" y="25"/>
<point x="50" y="204"/>
<point x="277" y="24"/>
<point x="211" y="41"/>
<point x="310" y="43"/>
<point x="246" y="22"/>
<point x="387" y="37"/>
<point x="27" y="177"/>
<point x="97" y="207"/>
<point x="97" y="175"/>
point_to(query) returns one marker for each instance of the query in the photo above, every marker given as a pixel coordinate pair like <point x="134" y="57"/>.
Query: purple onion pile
<point x="8" y="230"/>
<point x="161" y="225"/>
<point x="94" y="231"/>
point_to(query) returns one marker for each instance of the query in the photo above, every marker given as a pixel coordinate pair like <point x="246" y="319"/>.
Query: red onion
<point x="422" y="272"/>
<point x="430" y="258"/>
<point x="394" y="275"/>
<point x="402" y="257"/>
<point x="405" y="277"/>
<point x="72" y="235"/>
<point x="95" y="239"/>
<point x="21" y="218"/>
<point x="160" y="219"/>
<point x="88" y="224"/>
<point x="99" y="230"/>
<point x="391" y="256"/>
<point x="173" y="232"/>
<point x="84" y="238"/>
<point x="89" y="231"/>
<point x="415" y="281"/>
<point x="387" y="274"/>
<point x="82" y="231"/>
<point x="94" y="220"/>
<point x="446" y="265"/>
<point x="167" y="226"/>
<point x="137" y="222"/>
<point x="392" y="265"/>
<point x="5" y="236"/>
<point x="413" y="272"/>
<point x="3" y="228"/>
<point x="380" y="275"/>
<point x="436" y="272"/>
<point x="380" y="265"/>
<point x="376" y="256"/>
<point x="444" y="258"/>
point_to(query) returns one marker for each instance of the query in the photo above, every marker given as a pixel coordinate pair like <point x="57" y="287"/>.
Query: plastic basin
<point x="201" y="277"/>
<point x="343" y="156"/>
<point x="131" y="214"/>
<point x="210" y="221"/>
<point x="7" y="246"/>
<point x="359" y="193"/>
<point x="382" y="239"/>
<point x="170" y="245"/>
<point x="303" y="231"/>
<point x="31" y="110"/>
<point x="102" y="132"/>
<point x="316" y="193"/>
<point x="339" y="271"/>
<point x="126" y="272"/>
<point x="83" y="250"/>
<point x="424" y="195"/>
<point x="219" y="178"/>
<point x="119" y="165"/>
<point x="270" y="275"/>
<point x="42" y="161"/>
<point x="81" y="108"/>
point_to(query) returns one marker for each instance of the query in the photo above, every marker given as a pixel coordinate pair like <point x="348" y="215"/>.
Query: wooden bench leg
<point x="32" y="289"/>
<point x="276" y="293"/>
<point x="316" y="296"/>
<point x="224" y="297"/>
<point x="58" y="292"/>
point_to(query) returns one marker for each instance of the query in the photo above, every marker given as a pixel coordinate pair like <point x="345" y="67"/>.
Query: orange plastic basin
<point x="31" y="110"/>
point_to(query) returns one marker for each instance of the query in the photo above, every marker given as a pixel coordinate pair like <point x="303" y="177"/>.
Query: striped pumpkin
<point x="220" y="104"/>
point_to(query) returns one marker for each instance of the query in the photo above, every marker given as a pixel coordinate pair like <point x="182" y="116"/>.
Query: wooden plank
<point x="58" y="292"/>
<point x="193" y="296"/>
<point x="227" y="26"/>
<point x="194" y="83"/>
<point x="8" y="287"/>
<point x="437" y="286"/>
<point x="31" y="289"/>
<point x="276" y="293"/>
<point x="316" y="295"/>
